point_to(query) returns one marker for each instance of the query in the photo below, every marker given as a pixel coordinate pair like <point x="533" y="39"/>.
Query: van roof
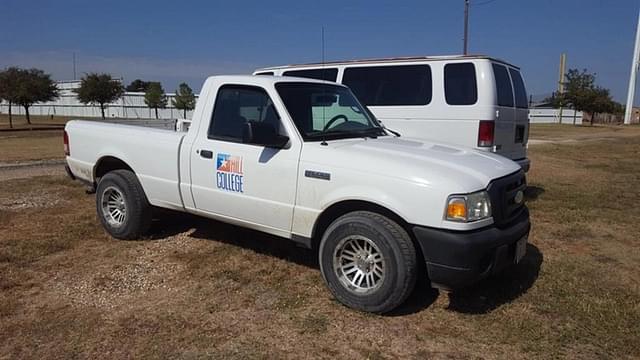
<point x="399" y="59"/>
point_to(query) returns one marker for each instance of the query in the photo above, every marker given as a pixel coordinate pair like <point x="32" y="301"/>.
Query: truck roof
<point x="393" y="59"/>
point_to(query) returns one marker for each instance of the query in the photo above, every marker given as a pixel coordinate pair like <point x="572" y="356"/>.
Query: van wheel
<point x="122" y="206"/>
<point x="368" y="262"/>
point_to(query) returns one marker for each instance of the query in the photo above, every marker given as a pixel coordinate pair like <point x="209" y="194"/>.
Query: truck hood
<point x="416" y="160"/>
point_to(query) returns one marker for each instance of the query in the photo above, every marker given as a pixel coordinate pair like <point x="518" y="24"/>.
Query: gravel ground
<point x="29" y="170"/>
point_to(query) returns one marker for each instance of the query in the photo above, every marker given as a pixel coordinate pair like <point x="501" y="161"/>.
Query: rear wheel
<point x="122" y="206"/>
<point x="368" y="261"/>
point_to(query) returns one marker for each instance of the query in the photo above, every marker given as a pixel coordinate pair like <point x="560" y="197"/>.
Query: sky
<point x="176" y="41"/>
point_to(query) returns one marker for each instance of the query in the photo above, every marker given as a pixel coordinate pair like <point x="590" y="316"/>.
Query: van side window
<point x="503" y="85"/>
<point x="235" y="106"/>
<point x="460" y="87"/>
<point x="390" y="85"/>
<point x="521" y="92"/>
<point x="318" y="74"/>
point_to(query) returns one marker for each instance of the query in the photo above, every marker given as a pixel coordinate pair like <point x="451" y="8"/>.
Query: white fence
<point x="552" y="116"/>
<point x="130" y="106"/>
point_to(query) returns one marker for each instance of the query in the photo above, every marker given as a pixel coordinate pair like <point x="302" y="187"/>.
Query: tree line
<point x="25" y="87"/>
<point x="582" y="94"/>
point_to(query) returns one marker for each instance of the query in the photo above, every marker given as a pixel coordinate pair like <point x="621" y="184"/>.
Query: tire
<point x="383" y="280"/>
<point x="122" y="206"/>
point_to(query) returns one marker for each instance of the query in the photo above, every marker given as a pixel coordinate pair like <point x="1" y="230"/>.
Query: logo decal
<point x="519" y="197"/>
<point x="229" y="175"/>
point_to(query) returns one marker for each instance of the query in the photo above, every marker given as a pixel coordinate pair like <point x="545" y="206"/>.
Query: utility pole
<point x="74" y="66"/>
<point x="563" y="64"/>
<point x="632" y="79"/>
<point x="466" y="27"/>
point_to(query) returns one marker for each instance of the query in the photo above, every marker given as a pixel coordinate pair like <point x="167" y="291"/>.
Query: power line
<point x="483" y="3"/>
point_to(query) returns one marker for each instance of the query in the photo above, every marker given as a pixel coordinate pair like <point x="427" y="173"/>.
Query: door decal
<point x="229" y="175"/>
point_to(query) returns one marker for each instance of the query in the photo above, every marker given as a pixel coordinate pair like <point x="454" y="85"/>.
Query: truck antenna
<point x="324" y="119"/>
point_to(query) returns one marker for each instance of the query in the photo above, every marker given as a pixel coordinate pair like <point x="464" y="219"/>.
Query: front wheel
<point x="122" y="206"/>
<point x="368" y="261"/>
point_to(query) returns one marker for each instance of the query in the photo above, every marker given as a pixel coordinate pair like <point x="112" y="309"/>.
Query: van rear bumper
<point x="524" y="163"/>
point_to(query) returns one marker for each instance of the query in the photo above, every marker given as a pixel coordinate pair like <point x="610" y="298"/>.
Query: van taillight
<point x="485" y="133"/>
<point x="66" y="144"/>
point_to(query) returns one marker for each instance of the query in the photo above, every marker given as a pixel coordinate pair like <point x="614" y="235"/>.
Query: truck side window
<point x="235" y="106"/>
<point x="460" y="87"/>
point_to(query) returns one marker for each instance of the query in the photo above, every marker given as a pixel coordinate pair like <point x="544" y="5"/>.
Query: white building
<point x="130" y="106"/>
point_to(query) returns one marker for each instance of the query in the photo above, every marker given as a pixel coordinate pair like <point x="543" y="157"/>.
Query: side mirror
<point x="260" y="133"/>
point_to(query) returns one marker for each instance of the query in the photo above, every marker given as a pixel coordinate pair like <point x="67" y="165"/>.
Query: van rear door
<point x="511" y="122"/>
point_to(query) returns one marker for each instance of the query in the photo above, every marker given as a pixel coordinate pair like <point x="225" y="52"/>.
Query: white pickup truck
<point x="304" y="160"/>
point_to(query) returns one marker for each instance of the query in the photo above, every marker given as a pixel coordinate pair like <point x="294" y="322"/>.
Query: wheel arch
<point x="343" y="207"/>
<point x="109" y="163"/>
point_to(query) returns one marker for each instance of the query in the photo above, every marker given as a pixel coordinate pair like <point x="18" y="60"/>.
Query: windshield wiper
<point x="341" y="134"/>
<point x="397" y="134"/>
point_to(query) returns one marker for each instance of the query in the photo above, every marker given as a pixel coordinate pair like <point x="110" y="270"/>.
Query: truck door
<point x="248" y="183"/>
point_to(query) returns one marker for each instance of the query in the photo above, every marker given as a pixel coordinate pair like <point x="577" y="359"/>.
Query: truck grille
<point x="503" y="192"/>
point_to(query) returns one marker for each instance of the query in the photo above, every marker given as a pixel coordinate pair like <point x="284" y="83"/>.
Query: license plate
<point x="521" y="249"/>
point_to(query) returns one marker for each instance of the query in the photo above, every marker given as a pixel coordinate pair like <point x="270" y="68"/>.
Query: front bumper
<point x="459" y="258"/>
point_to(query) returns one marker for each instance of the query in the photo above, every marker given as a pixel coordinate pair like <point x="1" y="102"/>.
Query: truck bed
<point x="153" y="154"/>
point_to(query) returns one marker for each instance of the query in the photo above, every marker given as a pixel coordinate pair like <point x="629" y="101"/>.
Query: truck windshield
<point x="326" y="112"/>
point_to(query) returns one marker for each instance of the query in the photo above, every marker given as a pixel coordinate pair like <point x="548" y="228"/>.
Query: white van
<point x="474" y="101"/>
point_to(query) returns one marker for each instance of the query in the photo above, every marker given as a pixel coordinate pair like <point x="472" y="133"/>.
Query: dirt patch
<point x="32" y="199"/>
<point x="22" y="172"/>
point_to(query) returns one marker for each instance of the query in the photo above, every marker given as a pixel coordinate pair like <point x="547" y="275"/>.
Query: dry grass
<point x="580" y="132"/>
<point x="199" y="288"/>
<point x="37" y="121"/>
<point x="40" y="141"/>
<point x="18" y="146"/>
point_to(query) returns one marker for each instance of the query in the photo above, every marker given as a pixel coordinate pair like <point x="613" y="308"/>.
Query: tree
<point x="99" y="89"/>
<point x="598" y="100"/>
<point x="138" y="85"/>
<point x="34" y="86"/>
<point x="184" y="99"/>
<point x="155" y="97"/>
<point x="579" y="89"/>
<point x="9" y="80"/>
<point x="581" y="94"/>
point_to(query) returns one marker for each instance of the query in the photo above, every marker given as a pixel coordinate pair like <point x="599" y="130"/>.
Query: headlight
<point x="469" y="207"/>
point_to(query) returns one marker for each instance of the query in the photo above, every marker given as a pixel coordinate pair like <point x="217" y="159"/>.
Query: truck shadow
<point x="480" y="298"/>
<point x="499" y="289"/>
<point x="532" y="192"/>
<point x="168" y="223"/>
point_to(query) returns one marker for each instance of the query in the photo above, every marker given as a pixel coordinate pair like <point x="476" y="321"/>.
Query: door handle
<point x="207" y="154"/>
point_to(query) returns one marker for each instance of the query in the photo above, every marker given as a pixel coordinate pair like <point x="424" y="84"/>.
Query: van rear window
<point x="518" y="86"/>
<point x="403" y="85"/>
<point x="503" y="85"/>
<point x="460" y="87"/>
<point x="318" y="74"/>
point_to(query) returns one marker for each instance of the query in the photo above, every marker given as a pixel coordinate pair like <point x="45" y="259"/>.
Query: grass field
<point x="37" y="121"/>
<point x="582" y="132"/>
<point x="30" y="142"/>
<point x="198" y="288"/>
